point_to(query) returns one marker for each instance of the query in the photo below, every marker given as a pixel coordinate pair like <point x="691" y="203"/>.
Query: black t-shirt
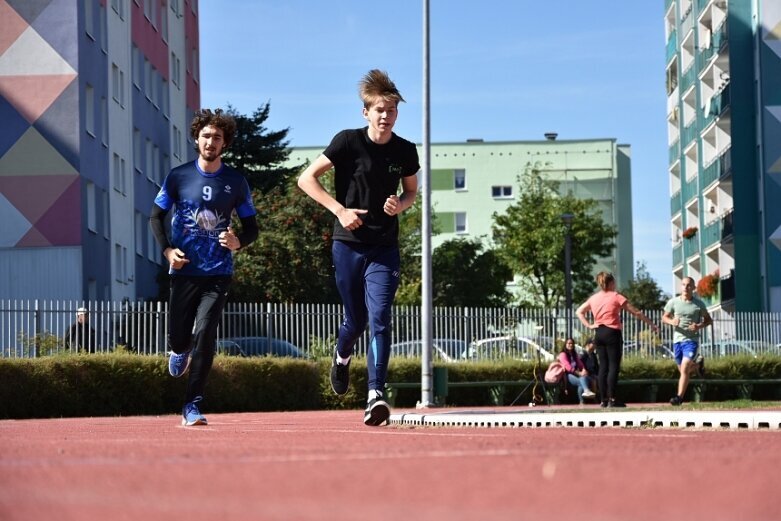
<point x="366" y="175"/>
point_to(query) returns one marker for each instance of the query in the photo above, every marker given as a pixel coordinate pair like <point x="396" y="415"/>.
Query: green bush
<point x="128" y="384"/>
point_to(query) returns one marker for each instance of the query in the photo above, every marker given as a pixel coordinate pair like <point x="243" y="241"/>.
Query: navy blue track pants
<point x="367" y="277"/>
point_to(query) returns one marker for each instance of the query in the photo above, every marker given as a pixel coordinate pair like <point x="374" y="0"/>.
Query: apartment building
<point x="96" y="97"/>
<point x="724" y="134"/>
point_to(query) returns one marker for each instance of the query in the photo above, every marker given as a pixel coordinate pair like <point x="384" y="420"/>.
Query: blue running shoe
<point x="179" y="363"/>
<point x="191" y="415"/>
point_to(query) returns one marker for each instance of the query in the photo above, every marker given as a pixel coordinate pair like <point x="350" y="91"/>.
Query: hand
<point x="175" y="257"/>
<point x="229" y="240"/>
<point x="676" y="321"/>
<point x="392" y="205"/>
<point x="349" y="218"/>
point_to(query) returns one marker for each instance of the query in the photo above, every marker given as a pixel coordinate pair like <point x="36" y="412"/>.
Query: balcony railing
<point x="677" y="255"/>
<point x="727" y="286"/>
<point x="720" y="36"/>
<point x="702" y="4"/>
<point x="675" y="151"/>
<point x="725" y="162"/>
<point x="690" y="189"/>
<point x="720" y="101"/>
<point x="672" y="46"/>
<point x="727" y="227"/>
<point x="688" y="77"/>
<point x="675" y="203"/>
<point x="690" y="247"/>
<point x="689" y="133"/>
<point x="711" y="233"/>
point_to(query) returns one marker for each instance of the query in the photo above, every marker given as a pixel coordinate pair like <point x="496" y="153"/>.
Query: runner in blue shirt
<point x="204" y="194"/>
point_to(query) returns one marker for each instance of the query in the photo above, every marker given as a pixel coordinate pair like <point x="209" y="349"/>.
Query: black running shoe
<point x="676" y="400"/>
<point x="604" y="404"/>
<point x="700" y="361"/>
<point x="377" y="412"/>
<point x="616" y="404"/>
<point x="340" y="376"/>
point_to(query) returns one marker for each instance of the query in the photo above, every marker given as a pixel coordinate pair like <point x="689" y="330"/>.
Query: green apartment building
<point x="724" y="135"/>
<point x="472" y="180"/>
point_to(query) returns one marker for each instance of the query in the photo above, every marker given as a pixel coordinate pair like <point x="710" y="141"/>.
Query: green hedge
<point x="126" y="384"/>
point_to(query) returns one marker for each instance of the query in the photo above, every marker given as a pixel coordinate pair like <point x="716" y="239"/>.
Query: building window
<point x="119" y="7"/>
<point x="176" y="72"/>
<point x="104" y="121"/>
<point x="103" y="29"/>
<point x="148" y="158"/>
<point x="106" y="229"/>
<point x="136" y="72"/>
<point x="459" y="179"/>
<point x="139" y="234"/>
<point x="157" y="165"/>
<point x="460" y="222"/>
<point x="91" y="210"/>
<point x="137" y="150"/>
<point x="195" y="64"/>
<point x="89" y="109"/>
<point x="120" y="176"/>
<point x="147" y="78"/>
<point x="89" y="19"/>
<point x="501" y="192"/>
<point x="117" y="84"/>
<point x="118" y="262"/>
<point x="177" y="142"/>
<point x="164" y="21"/>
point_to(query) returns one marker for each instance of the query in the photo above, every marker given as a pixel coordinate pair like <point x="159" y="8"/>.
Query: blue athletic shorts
<point x="685" y="349"/>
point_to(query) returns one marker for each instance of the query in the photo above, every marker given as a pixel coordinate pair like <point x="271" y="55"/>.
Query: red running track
<point x="325" y="465"/>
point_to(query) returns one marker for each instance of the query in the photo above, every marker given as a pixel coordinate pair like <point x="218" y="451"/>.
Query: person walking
<point x="81" y="336"/>
<point x="687" y="315"/>
<point x="204" y="194"/>
<point x="369" y="163"/>
<point x="605" y="306"/>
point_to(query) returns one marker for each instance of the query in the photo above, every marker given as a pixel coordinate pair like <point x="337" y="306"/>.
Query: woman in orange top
<point x="605" y="306"/>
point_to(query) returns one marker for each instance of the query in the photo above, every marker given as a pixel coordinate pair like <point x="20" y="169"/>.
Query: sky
<point x="499" y="70"/>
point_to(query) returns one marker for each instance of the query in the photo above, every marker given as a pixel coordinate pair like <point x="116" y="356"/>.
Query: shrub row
<point x="126" y="384"/>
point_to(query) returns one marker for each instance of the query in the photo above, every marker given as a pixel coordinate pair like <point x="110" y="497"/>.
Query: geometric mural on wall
<point x="40" y="190"/>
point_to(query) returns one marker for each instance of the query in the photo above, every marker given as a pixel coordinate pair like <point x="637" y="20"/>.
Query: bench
<point x="697" y="387"/>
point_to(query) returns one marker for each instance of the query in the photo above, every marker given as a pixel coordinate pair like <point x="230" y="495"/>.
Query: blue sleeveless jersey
<point x="204" y="204"/>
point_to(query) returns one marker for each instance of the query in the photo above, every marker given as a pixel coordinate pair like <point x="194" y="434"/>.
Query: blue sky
<point x="500" y="70"/>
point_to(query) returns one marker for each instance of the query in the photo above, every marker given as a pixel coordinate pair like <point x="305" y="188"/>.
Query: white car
<point x="518" y="348"/>
<point x="443" y="349"/>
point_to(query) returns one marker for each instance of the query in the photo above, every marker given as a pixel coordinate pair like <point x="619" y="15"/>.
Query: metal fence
<point x="33" y="328"/>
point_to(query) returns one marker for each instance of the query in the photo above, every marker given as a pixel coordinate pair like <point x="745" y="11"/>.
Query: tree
<point x="410" y="250"/>
<point x="259" y="153"/>
<point x="643" y="291"/>
<point x="530" y="236"/>
<point x="291" y="259"/>
<point x="464" y="275"/>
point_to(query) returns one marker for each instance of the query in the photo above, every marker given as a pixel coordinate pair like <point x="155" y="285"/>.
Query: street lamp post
<point x="566" y="218"/>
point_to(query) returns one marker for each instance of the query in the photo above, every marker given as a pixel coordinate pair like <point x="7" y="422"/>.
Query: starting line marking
<point x="739" y="420"/>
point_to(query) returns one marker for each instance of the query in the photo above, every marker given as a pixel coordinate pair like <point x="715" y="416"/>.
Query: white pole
<point x="426" y="384"/>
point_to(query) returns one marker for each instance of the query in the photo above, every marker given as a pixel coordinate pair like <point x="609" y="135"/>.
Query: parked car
<point x="728" y="348"/>
<point x="650" y="351"/>
<point x="443" y="349"/>
<point x="519" y="348"/>
<point x="258" y="346"/>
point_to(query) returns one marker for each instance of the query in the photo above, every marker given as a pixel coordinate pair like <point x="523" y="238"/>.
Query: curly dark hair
<point x="215" y="118"/>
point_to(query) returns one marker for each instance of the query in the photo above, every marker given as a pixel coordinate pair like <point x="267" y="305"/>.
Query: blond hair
<point x="376" y="84"/>
<point x="604" y="279"/>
